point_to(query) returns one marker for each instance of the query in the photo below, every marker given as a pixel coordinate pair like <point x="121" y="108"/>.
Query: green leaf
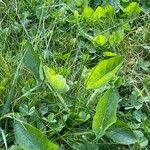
<point x="141" y="139"/>
<point x="30" y="138"/>
<point x="31" y="60"/>
<point x="116" y="37"/>
<point x="98" y="13"/>
<point x="87" y="13"/>
<point x="132" y="10"/>
<point x="55" y="80"/>
<point x="15" y="147"/>
<point x="4" y="69"/>
<point x="120" y="133"/>
<point x="100" y="39"/>
<point x="103" y="72"/>
<point x="105" y="114"/>
<point x="109" y="54"/>
<point x="109" y="11"/>
<point x="87" y="146"/>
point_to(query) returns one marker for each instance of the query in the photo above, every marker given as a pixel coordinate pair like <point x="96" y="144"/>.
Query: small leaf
<point x="116" y="37"/>
<point x="141" y="139"/>
<point x="87" y="13"/>
<point x="121" y="133"/>
<point x="4" y="69"/>
<point x="31" y="60"/>
<point x="98" y="13"/>
<point x="103" y="72"/>
<point x="55" y="80"/>
<point x="78" y="3"/>
<point x="132" y="10"/>
<point x="100" y="39"/>
<point x="109" y="11"/>
<point x="30" y="138"/>
<point x="105" y="114"/>
<point x="109" y="54"/>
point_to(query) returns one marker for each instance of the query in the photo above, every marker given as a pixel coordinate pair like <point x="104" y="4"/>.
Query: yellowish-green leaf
<point x="109" y="54"/>
<point x="100" y="39"/>
<point x="4" y="69"/>
<point x="132" y="10"/>
<point x="55" y="80"/>
<point x="78" y="3"/>
<point x="103" y="72"/>
<point x="105" y="114"/>
<point x="98" y="13"/>
<point x="76" y="14"/>
<point x="30" y="138"/>
<point x="2" y="88"/>
<point x="116" y="37"/>
<point x="87" y="12"/>
<point x="109" y="11"/>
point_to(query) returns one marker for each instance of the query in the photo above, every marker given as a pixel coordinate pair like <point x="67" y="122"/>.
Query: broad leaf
<point x="103" y="72"/>
<point x="31" y="60"/>
<point x="105" y="114"/>
<point x="121" y="133"/>
<point x="55" y="80"/>
<point x="30" y="138"/>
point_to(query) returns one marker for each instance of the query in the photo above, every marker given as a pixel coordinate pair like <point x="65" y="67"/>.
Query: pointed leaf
<point x="100" y="39"/>
<point x="98" y="13"/>
<point x="31" y="60"/>
<point x="105" y="114"/>
<point x="132" y="10"/>
<point x="55" y="80"/>
<point x="103" y="72"/>
<point x="30" y="138"/>
<point x="121" y="133"/>
<point x="87" y="12"/>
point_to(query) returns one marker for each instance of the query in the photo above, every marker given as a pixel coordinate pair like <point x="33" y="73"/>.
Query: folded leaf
<point x="30" y="138"/>
<point x="55" y="80"/>
<point x="105" y="114"/>
<point x="121" y="133"/>
<point x="103" y="72"/>
<point x="31" y="60"/>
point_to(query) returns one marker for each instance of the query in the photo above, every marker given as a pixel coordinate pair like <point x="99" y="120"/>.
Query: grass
<point x="63" y="41"/>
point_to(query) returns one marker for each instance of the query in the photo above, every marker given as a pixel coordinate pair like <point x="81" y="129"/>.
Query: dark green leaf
<point x="121" y="133"/>
<point x="30" y="138"/>
<point x="31" y="60"/>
